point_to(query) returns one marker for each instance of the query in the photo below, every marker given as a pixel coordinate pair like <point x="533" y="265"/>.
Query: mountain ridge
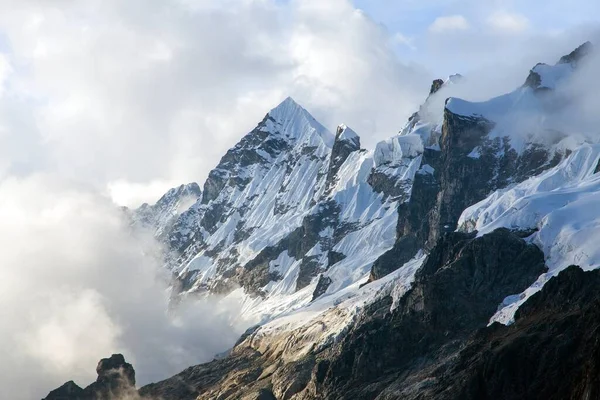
<point x="375" y="273"/>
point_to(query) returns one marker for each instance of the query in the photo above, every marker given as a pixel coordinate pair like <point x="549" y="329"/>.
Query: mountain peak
<point x="294" y="122"/>
<point x="544" y="76"/>
<point x="286" y="108"/>
<point x="344" y="133"/>
<point x="577" y="54"/>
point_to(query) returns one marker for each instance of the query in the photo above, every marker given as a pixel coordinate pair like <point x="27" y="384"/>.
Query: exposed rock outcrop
<point x="455" y="293"/>
<point x="116" y="381"/>
<point x="346" y="142"/>
<point x="435" y="86"/>
<point x="551" y="352"/>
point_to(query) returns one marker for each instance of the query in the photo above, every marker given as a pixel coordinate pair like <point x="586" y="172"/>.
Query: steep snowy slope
<point x="560" y="209"/>
<point x="470" y="153"/>
<point x="292" y="213"/>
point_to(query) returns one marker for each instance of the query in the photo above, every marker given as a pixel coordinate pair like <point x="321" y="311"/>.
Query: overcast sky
<point x="132" y="97"/>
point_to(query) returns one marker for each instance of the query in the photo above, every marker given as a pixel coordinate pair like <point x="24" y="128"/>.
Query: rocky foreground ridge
<point x="429" y="348"/>
<point x="382" y="274"/>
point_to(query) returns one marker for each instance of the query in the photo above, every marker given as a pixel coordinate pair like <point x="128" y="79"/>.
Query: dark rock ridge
<point x="346" y="142"/>
<point x="551" y="352"/>
<point x="465" y="180"/>
<point x="435" y="86"/>
<point x="458" y="181"/>
<point x="455" y="293"/>
<point x="578" y="54"/>
<point x="412" y="229"/>
<point x="116" y="381"/>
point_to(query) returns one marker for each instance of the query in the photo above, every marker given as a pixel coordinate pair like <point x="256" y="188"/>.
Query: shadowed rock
<point x="116" y="381"/>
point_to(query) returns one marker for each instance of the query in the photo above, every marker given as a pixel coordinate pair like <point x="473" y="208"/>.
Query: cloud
<point x="505" y="22"/>
<point x="76" y="286"/>
<point x="400" y="39"/>
<point x="137" y="91"/>
<point x="449" y="23"/>
<point x="132" y="194"/>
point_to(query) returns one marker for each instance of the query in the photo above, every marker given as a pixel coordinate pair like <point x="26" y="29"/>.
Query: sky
<point x="111" y="102"/>
<point x="134" y="97"/>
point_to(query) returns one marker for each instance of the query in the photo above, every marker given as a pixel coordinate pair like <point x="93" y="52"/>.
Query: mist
<point x="76" y="285"/>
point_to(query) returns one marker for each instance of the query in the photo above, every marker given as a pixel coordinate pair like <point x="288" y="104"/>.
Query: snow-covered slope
<point x="295" y="218"/>
<point x="559" y="207"/>
<point x="292" y="213"/>
<point x="537" y="113"/>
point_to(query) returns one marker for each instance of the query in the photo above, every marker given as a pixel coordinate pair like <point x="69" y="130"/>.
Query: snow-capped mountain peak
<point x="545" y="77"/>
<point x="293" y="122"/>
<point x="346" y="134"/>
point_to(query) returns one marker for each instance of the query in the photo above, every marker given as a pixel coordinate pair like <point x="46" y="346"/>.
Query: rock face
<point x="459" y="286"/>
<point x="455" y="292"/>
<point x="435" y="86"/>
<point x="578" y="54"/>
<point x="550" y="352"/>
<point x="444" y="351"/>
<point x="469" y="156"/>
<point x="116" y="381"/>
<point x="346" y="142"/>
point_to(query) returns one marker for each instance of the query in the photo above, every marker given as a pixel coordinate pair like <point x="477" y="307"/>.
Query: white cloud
<point x="400" y="39"/>
<point x="451" y="23"/>
<point x="76" y="286"/>
<point x="133" y="194"/>
<point x="505" y="22"/>
<point x="143" y="91"/>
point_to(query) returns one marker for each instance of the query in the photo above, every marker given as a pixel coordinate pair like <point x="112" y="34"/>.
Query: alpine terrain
<point x="456" y="260"/>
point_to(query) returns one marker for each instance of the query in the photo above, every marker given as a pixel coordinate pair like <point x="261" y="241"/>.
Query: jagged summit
<point x="344" y="133"/>
<point x="576" y="55"/>
<point x="294" y="122"/>
<point x="544" y="76"/>
<point x="190" y="189"/>
<point x="533" y="114"/>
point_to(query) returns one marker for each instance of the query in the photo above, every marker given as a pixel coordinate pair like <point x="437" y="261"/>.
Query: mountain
<point x="428" y="267"/>
<point x="292" y="213"/>
<point x="160" y="217"/>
